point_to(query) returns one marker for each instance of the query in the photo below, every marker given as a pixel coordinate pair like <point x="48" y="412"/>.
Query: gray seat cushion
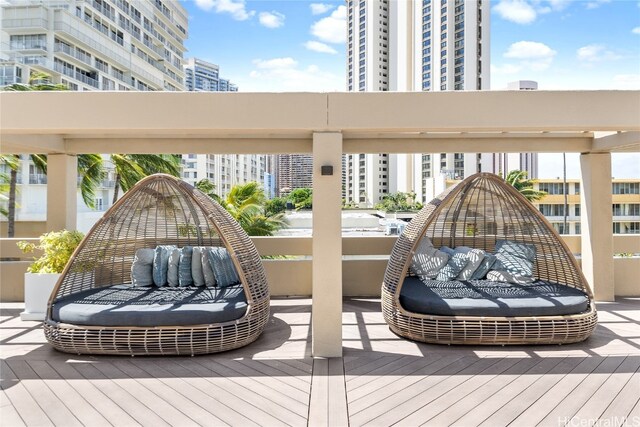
<point x="486" y="298"/>
<point x="123" y="305"/>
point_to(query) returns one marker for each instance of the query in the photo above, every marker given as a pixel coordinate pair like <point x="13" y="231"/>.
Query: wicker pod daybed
<point x="483" y="212"/>
<point x="95" y="309"/>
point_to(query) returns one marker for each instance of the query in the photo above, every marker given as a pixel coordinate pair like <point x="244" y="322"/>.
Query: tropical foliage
<point x="399" y="202"/>
<point x="302" y="198"/>
<point x="131" y="168"/>
<point x="57" y="248"/>
<point x="246" y="203"/>
<point x="275" y="205"/>
<point x="519" y="180"/>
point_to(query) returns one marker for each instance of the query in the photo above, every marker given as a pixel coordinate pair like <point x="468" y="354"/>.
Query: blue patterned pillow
<point x="457" y="262"/>
<point x="207" y="268"/>
<point x="484" y="266"/>
<point x="514" y="257"/>
<point x="184" y="268"/>
<point x="161" y="264"/>
<point x="223" y="268"/>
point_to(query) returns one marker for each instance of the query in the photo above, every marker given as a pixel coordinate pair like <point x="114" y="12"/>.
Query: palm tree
<point x="131" y="168"/>
<point x="246" y="204"/>
<point x="518" y="179"/>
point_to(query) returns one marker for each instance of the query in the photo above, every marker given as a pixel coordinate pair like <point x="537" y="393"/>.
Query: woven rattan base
<point x="489" y="330"/>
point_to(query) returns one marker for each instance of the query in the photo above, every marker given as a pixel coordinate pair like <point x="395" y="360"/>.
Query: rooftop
<point x="380" y="380"/>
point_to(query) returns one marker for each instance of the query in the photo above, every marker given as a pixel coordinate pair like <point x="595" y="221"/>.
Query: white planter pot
<point x="37" y="290"/>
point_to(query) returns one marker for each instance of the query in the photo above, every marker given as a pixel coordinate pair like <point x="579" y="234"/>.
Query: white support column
<point x="62" y="204"/>
<point x="597" y="224"/>
<point x="327" y="246"/>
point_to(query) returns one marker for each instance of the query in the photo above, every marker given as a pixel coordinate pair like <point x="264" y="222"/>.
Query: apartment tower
<point x="414" y="45"/>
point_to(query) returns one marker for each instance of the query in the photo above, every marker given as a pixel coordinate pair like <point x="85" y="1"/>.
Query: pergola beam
<point x="31" y="144"/>
<point x="621" y="141"/>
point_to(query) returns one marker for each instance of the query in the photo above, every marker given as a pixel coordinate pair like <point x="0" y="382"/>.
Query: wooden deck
<point x="381" y="380"/>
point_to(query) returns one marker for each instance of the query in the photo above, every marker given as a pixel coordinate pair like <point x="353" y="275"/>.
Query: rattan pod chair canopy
<point x="159" y="210"/>
<point x="481" y="212"/>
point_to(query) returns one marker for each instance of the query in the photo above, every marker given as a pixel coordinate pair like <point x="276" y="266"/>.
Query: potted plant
<point x="43" y="274"/>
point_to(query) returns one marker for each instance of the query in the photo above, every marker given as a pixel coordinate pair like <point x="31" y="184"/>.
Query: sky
<point x="299" y="45"/>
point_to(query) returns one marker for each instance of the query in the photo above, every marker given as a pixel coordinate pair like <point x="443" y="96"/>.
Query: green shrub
<point x="57" y="248"/>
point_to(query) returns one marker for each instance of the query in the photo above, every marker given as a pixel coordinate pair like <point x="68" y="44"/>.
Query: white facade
<point x="94" y="44"/>
<point x="89" y="45"/>
<point x="414" y="45"/>
<point x="203" y="76"/>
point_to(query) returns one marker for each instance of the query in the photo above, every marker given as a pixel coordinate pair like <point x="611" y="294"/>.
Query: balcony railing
<point x="86" y="79"/>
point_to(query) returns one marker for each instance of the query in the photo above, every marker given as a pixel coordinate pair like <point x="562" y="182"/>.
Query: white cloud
<point x="236" y="8"/>
<point x="596" y="53"/>
<point x="626" y="81"/>
<point x="333" y="28"/>
<point x="636" y="30"/>
<point x="320" y="47"/>
<point x="286" y="75"/>
<point x="531" y="55"/>
<point x="320" y="8"/>
<point x="271" y="19"/>
<point x="518" y="11"/>
<point x="596" y="3"/>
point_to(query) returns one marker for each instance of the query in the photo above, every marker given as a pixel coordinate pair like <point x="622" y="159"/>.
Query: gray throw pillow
<point x="427" y="260"/>
<point x="515" y="257"/>
<point x="161" y="264"/>
<point x="505" y="276"/>
<point x="174" y="265"/>
<point x="184" y="268"/>
<point x="207" y="270"/>
<point x="196" y="266"/>
<point x="457" y="262"/>
<point x="474" y="259"/>
<point x="484" y="266"/>
<point x="223" y="268"/>
<point x="142" y="267"/>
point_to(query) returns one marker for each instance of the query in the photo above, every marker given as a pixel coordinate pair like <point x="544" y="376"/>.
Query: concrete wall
<point x="363" y="265"/>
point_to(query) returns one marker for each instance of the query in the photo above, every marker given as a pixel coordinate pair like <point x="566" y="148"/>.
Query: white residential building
<point x="89" y="45"/>
<point x="223" y="170"/>
<point x="416" y="45"/>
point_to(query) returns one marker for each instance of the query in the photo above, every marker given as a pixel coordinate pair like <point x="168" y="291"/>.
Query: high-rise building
<point x="294" y="171"/>
<point x="88" y="45"/>
<point x="414" y="45"/>
<point x="203" y="76"/>
<point x="94" y="44"/>
<point x="223" y="170"/>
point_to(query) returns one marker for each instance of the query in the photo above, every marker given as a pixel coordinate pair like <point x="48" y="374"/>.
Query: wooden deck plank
<point x="163" y="409"/>
<point x="375" y="395"/>
<point x="423" y="397"/>
<point x="319" y="399"/>
<point x="457" y="392"/>
<point x="120" y="396"/>
<point x="382" y="381"/>
<point x="400" y="401"/>
<point x="168" y="394"/>
<point x="567" y="407"/>
<point x="8" y="414"/>
<point x="625" y="401"/>
<point x="510" y="385"/>
<point x="338" y="410"/>
<point x="74" y="401"/>
<point x="610" y="389"/>
<point x="238" y="400"/>
<point x="536" y="412"/>
<point x="57" y="412"/>
<point x="541" y="386"/>
<point x="253" y="392"/>
<point x="392" y="366"/>
<point x="25" y="405"/>
<point x="633" y="419"/>
<point x="94" y="396"/>
<point x="262" y="371"/>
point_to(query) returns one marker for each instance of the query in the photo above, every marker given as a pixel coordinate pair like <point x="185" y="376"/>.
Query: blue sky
<point x="299" y="45"/>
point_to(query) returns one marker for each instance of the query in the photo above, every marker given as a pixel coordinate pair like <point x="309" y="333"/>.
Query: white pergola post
<point x="597" y="224"/>
<point x="62" y="192"/>
<point x="327" y="245"/>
